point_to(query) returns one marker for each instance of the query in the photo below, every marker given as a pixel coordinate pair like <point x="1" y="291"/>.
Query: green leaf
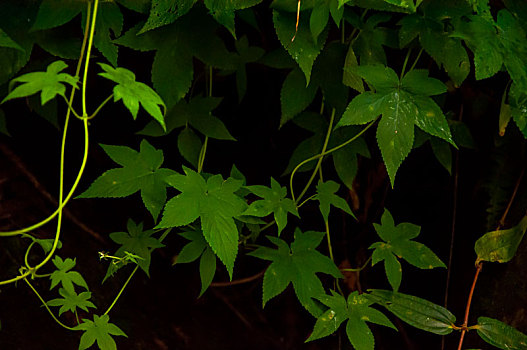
<point x="500" y="245"/>
<point x="297" y="264"/>
<point x="214" y="201"/>
<point x="418" y="82"/>
<point x="407" y="4"/>
<point x="380" y="77"/>
<point x="417" y="312"/>
<point x="163" y="12"/>
<point x="54" y="13"/>
<point x="500" y="335"/>
<point x="134" y="93"/>
<point x="398" y="244"/>
<point x="223" y="11"/>
<point x="109" y="20"/>
<point x="273" y="201"/>
<point x="295" y="95"/>
<point x="6" y="41"/>
<point x="198" y="248"/>
<point x="303" y="49"/>
<point x="350" y="77"/>
<point x="442" y="152"/>
<point x="518" y="107"/>
<point x="49" y="83"/>
<point x="141" y="171"/>
<point x="99" y="330"/>
<point x="70" y="301"/>
<point x="247" y="54"/>
<point x="134" y="241"/>
<point x="369" y="44"/>
<point x="356" y="311"/>
<point x="318" y="20"/>
<point x="189" y="145"/>
<point x="64" y="276"/>
<point x="327" y="197"/>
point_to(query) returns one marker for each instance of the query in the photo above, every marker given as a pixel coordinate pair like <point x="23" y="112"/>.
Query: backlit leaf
<point x="100" y="330"/>
<point x="70" y="301"/>
<point x="64" y="276"/>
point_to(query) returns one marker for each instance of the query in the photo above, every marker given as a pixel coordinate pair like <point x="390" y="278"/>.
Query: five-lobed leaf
<point x="64" y="276"/>
<point x="100" y="330"/>
<point x="398" y="244"/>
<point x="326" y="197"/>
<point x="140" y="171"/>
<point x="213" y="201"/>
<point x="356" y="310"/>
<point x="70" y="301"/>
<point x="49" y="83"/>
<point x="134" y="93"/>
<point x="273" y="201"/>
<point x="297" y="264"/>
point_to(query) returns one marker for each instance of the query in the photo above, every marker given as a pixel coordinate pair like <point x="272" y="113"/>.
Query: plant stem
<point x="358" y="269"/>
<point x="121" y="291"/>
<point x="314" y="173"/>
<point x="405" y="62"/>
<point x="47" y="307"/>
<point x="239" y="281"/>
<point x="469" y="301"/>
<point x="202" y="152"/>
<point x="416" y="59"/>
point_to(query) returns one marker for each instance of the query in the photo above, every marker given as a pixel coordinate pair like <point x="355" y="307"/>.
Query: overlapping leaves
<point x="356" y="310"/>
<point x="140" y="171"/>
<point x="215" y="203"/>
<point x="398" y="243"/>
<point x="297" y="264"/>
<point x="403" y="104"/>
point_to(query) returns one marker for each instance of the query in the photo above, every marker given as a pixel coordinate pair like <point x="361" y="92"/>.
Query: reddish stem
<point x="469" y="301"/>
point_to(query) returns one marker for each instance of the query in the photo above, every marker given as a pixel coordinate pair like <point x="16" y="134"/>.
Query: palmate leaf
<point x="356" y="311"/>
<point x="135" y="241"/>
<point x="326" y="197"/>
<point x="297" y="264"/>
<point x="163" y="12"/>
<point x="273" y="201"/>
<point x="70" y="301"/>
<point x="370" y="42"/>
<point x="140" y="171"/>
<point x="223" y="11"/>
<point x="64" y="276"/>
<point x="398" y="244"/>
<point x="213" y="201"/>
<point x="198" y="248"/>
<point x="49" y="83"/>
<point x="134" y="93"/>
<point x="100" y="330"/>
<point x="402" y="104"/>
<point x="109" y="26"/>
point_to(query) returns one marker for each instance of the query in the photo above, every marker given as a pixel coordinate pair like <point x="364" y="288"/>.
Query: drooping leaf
<point x="213" y="201"/>
<point x="500" y="245"/>
<point x="136" y="241"/>
<point x="398" y="244"/>
<point x="417" y="312"/>
<point x="356" y="311"/>
<point x="297" y="264"/>
<point x="500" y="335"/>
<point x="198" y="248"/>
<point x="49" y="83"/>
<point x="70" y="301"/>
<point x="273" y="201"/>
<point x="140" y="171"/>
<point x="303" y="49"/>
<point x="100" y="330"/>
<point x="134" y="93"/>
<point x="327" y="197"/>
<point x="64" y="276"/>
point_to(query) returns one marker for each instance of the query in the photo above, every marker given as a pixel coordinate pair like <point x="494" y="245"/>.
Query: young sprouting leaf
<point x="49" y="83"/>
<point x="141" y="171"/>
<point x="273" y="201"/>
<point x="198" y="248"/>
<point x="500" y="335"/>
<point x="213" y="201"/>
<point x="99" y="330"/>
<point x="303" y="49"/>
<point x="64" y="276"/>
<point x="197" y="113"/>
<point x="6" y="41"/>
<point x="164" y="12"/>
<point x="500" y="245"/>
<point x="134" y="93"/>
<point x="356" y="311"/>
<point x="398" y="243"/>
<point x="326" y="197"/>
<point x="223" y="11"/>
<point x="415" y="311"/>
<point x="70" y="301"/>
<point x="137" y="242"/>
<point x="297" y="264"/>
<point x="402" y="104"/>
